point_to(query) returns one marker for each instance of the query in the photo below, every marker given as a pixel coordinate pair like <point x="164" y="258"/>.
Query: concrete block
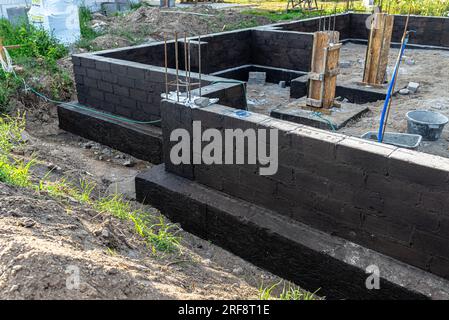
<point x="258" y="78"/>
<point x="87" y="62"/>
<point x="135" y="73"/>
<point x="315" y="142"/>
<point x="371" y="156"/>
<point x="97" y="94"/>
<point x="138" y="95"/>
<point x="420" y="168"/>
<point x="430" y="243"/>
<point x="105" y="86"/>
<point x="94" y="74"/>
<point x="378" y="225"/>
<point x="109" y="77"/>
<point x="121" y="91"/>
<point x="440" y="266"/>
<point x="103" y="66"/>
<point x="118" y="69"/>
<point x="126" y="82"/>
<point x="76" y="60"/>
<point x="413" y="87"/>
<point x="90" y="83"/>
<point x="128" y="103"/>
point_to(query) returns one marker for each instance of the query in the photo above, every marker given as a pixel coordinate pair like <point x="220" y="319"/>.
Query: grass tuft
<point x="159" y="234"/>
<point x="13" y="171"/>
<point x="156" y="231"/>
<point x="289" y="292"/>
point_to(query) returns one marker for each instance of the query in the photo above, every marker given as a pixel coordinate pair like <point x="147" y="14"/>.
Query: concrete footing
<point x="142" y="141"/>
<point x="326" y="119"/>
<point x="306" y="256"/>
<point x="354" y="92"/>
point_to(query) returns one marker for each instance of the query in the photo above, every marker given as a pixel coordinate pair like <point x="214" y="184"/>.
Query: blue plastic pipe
<point x="390" y="90"/>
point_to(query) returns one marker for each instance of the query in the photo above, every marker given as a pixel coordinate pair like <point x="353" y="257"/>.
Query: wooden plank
<point x="383" y="59"/>
<point x="325" y="58"/>
<point x="378" y="49"/>
<point x="330" y="80"/>
<point x="320" y="43"/>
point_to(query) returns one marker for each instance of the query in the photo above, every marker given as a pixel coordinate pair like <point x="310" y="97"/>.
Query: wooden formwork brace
<point x="324" y="69"/>
<point x="376" y="61"/>
<point x="2" y="47"/>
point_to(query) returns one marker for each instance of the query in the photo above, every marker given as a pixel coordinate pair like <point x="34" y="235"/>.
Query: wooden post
<point x="378" y="49"/>
<point x="324" y="69"/>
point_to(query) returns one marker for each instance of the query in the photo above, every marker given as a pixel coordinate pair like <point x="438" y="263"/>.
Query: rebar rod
<point x="166" y="65"/>
<point x="189" y="68"/>
<point x="199" y="63"/>
<point x="185" y="61"/>
<point x="177" y="66"/>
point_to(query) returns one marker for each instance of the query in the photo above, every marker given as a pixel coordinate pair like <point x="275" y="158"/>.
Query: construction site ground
<point x="426" y="67"/>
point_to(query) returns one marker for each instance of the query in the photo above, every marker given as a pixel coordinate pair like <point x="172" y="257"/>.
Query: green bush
<point x="37" y="55"/>
<point x="35" y="42"/>
<point x="85" y="16"/>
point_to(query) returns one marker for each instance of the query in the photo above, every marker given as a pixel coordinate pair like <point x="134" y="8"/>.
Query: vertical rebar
<point x="166" y="65"/>
<point x="319" y="21"/>
<point x="189" y="68"/>
<point x="177" y="66"/>
<point x="185" y="61"/>
<point x="199" y="63"/>
<point x="335" y="22"/>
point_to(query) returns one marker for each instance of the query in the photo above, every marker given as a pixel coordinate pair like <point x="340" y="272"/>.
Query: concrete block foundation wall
<point x="122" y="81"/>
<point x="430" y="31"/>
<point x="282" y="49"/>
<point x="127" y="89"/>
<point x="342" y="25"/>
<point x="388" y="199"/>
<point x="133" y="90"/>
<point x="128" y="82"/>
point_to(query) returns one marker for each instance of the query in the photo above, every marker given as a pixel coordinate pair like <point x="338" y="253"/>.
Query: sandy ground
<point x="427" y="67"/>
<point x="42" y="241"/>
<point x="263" y="99"/>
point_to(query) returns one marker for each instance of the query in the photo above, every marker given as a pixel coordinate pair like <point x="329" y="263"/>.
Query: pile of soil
<point x="152" y="22"/>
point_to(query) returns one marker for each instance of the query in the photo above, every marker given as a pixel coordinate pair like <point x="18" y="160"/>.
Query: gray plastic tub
<point x="428" y="124"/>
<point x="402" y="140"/>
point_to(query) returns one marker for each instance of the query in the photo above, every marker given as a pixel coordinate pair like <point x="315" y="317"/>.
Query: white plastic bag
<point x="59" y="17"/>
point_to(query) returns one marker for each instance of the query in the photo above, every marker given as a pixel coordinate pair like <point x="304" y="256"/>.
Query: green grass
<point x="154" y="229"/>
<point x="87" y="33"/>
<point x="13" y="171"/>
<point x="276" y="10"/>
<point x="160" y="235"/>
<point x="288" y="292"/>
<point x="85" y="17"/>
